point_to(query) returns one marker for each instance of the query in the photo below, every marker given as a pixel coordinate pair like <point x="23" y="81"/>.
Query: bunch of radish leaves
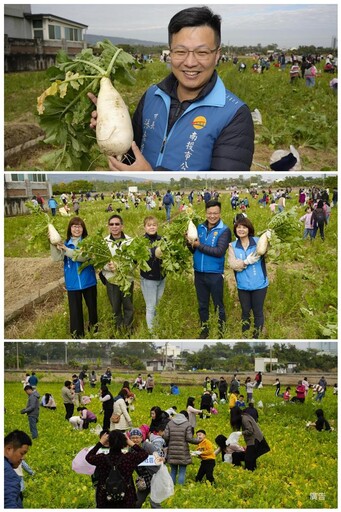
<point x="64" y="108"/>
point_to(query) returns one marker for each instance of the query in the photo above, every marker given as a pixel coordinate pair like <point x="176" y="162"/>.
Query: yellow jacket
<point x="207" y="450"/>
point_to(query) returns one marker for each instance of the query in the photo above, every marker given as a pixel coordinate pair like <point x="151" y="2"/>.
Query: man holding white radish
<point x="209" y="251"/>
<point x="190" y="121"/>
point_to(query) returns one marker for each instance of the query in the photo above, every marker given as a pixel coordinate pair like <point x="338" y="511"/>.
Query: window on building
<point x="73" y="34"/>
<point x="37" y="178"/>
<point x="18" y="177"/>
<point x="38" y="29"/>
<point x="54" y="32"/>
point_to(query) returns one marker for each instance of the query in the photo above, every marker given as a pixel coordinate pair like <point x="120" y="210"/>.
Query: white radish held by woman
<point x="114" y="131"/>
<point x="53" y="235"/>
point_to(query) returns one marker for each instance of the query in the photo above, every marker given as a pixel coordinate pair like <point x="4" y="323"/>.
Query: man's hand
<point x="93" y="120"/>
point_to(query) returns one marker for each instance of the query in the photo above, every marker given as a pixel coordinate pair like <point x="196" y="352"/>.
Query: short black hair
<point x="116" y="216"/>
<point x="18" y="438"/>
<point x="212" y="203"/>
<point x="117" y="441"/>
<point x="195" y="17"/>
<point x="27" y="387"/>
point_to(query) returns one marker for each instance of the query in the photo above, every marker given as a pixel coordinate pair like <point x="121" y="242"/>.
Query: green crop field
<point x="301" y="301"/>
<point x="291" y="115"/>
<point x="300" y="471"/>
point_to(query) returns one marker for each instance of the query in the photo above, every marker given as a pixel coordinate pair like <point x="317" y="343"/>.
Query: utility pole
<point x="66" y="353"/>
<point x="270" y="358"/>
<point x="166" y="346"/>
<point x="18" y="365"/>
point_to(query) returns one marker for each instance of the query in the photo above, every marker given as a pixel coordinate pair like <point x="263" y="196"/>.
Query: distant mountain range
<point x="93" y="39"/>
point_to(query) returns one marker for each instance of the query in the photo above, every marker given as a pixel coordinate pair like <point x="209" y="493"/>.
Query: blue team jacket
<point x="73" y="279"/>
<point x="204" y="262"/>
<point x="190" y="142"/>
<point x="253" y="277"/>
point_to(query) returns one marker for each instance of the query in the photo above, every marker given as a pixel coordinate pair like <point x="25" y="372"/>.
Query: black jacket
<point x="233" y="150"/>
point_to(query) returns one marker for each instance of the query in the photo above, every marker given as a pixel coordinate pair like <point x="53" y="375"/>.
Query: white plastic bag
<point x="161" y="486"/>
<point x="257" y="116"/>
<point x="233" y="438"/>
<point x="260" y="404"/>
<point x="228" y="458"/>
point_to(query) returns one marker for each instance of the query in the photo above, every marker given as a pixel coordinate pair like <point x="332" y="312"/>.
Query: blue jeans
<point x="182" y="473"/>
<point x="168" y="211"/>
<point x="310" y="81"/>
<point x="152" y="292"/>
<point x="32" y="420"/>
<point x="308" y="231"/>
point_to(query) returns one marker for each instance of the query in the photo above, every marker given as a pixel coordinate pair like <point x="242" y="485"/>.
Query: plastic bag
<point x="161" y="486"/>
<point x="257" y="116"/>
<point x="233" y="438"/>
<point x="260" y="404"/>
<point x="228" y="458"/>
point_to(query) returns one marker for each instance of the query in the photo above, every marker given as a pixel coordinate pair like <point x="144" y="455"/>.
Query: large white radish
<point x="192" y="232"/>
<point x="53" y="235"/>
<point x="262" y="245"/>
<point x="114" y="130"/>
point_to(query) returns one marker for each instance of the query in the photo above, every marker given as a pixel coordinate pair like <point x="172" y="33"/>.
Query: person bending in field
<point x="321" y="423"/>
<point x="190" y="121"/>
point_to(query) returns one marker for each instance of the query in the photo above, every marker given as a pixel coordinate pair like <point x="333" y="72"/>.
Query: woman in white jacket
<point x="120" y="408"/>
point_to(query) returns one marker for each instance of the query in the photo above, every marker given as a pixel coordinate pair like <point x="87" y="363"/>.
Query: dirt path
<point x="27" y="276"/>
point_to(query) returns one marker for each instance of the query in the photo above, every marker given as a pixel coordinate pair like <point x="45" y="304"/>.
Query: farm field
<point x="300" y="471"/>
<point x="291" y="115"/>
<point x="301" y="301"/>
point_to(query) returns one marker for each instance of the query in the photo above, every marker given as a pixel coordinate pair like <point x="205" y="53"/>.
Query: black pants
<point x="106" y="419"/>
<point x="122" y="305"/>
<point x="206" y="469"/>
<point x="207" y="286"/>
<point x="76" y="309"/>
<point x="252" y="301"/>
<point x="69" y="408"/>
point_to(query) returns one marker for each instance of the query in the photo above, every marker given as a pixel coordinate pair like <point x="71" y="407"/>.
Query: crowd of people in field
<point x="213" y="247"/>
<point x="130" y="462"/>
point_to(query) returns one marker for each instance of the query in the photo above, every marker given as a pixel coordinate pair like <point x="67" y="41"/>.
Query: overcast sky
<point x="288" y="25"/>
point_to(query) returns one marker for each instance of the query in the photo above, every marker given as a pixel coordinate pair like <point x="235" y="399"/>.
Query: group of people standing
<point x="209" y="251"/>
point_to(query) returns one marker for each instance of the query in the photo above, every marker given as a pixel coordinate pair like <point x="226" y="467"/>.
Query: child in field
<point x="308" y="227"/>
<point x="272" y="206"/>
<point x="286" y="394"/>
<point x="233" y="399"/>
<point x="240" y="402"/>
<point x="152" y="281"/>
<point x="207" y="456"/>
<point x="278" y="387"/>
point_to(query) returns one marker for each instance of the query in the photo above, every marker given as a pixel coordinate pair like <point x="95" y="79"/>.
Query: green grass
<point x="301" y="301"/>
<point x="298" y="115"/>
<point x="300" y="471"/>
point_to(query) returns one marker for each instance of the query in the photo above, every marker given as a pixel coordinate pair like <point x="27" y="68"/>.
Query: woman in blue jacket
<point x="250" y="274"/>
<point x="78" y="284"/>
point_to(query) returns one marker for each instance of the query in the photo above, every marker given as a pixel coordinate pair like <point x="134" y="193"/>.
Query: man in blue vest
<point x="190" y="121"/>
<point x="17" y="444"/>
<point x="208" y="260"/>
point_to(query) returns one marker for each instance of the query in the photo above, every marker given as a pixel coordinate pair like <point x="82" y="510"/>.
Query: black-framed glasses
<point x="114" y="223"/>
<point x="200" y="54"/>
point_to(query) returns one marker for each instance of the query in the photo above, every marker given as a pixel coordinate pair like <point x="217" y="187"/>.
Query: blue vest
<point x="75" y="280"/>
<point x="190" y="142"/>
<point x="253" y="277"/>
<point x="204" y="262"/>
